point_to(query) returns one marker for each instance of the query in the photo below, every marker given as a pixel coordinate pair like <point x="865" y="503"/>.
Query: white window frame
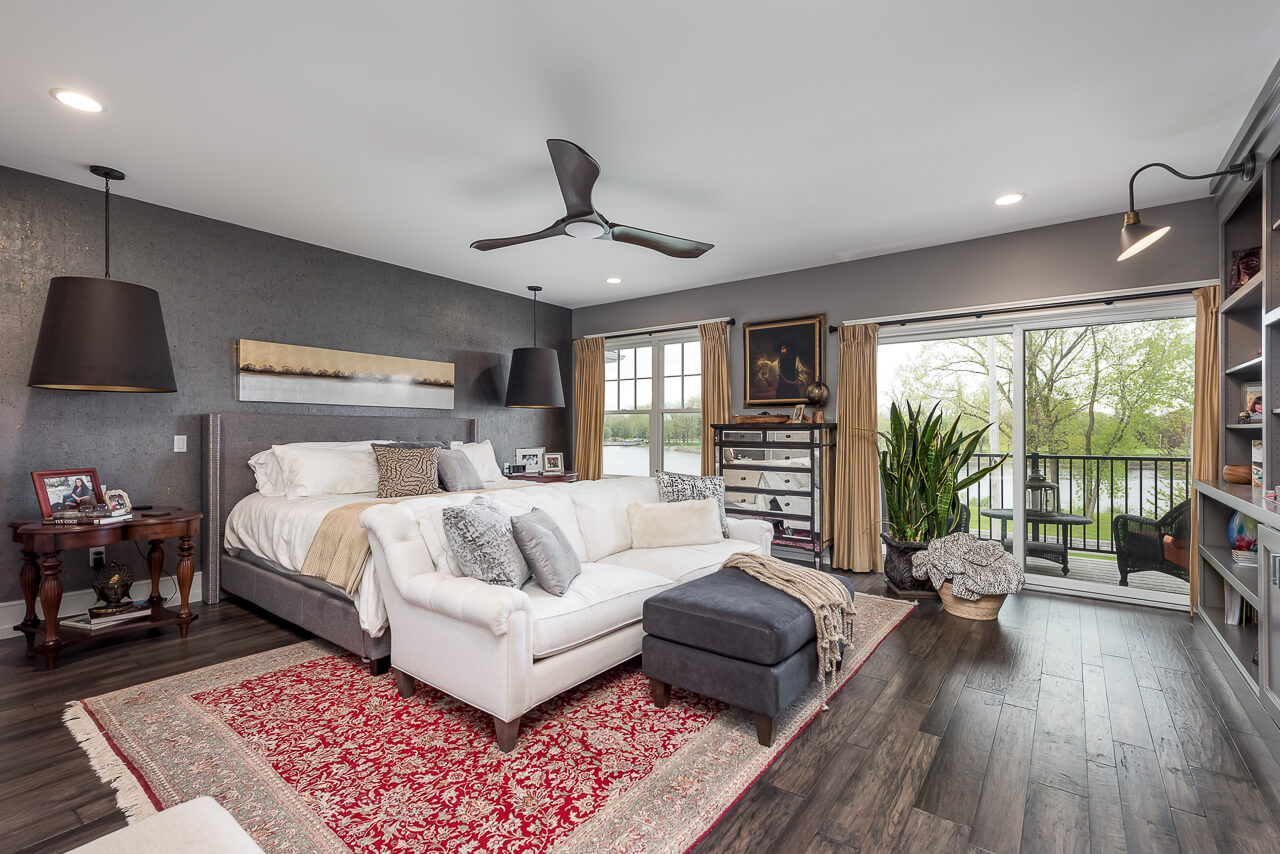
<point x="657" y="411"/>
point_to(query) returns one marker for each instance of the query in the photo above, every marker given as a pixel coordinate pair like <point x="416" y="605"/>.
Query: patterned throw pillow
<point x="403" y="472"/>
<point x="479" y="534"/>
<point x="691" y="487"/>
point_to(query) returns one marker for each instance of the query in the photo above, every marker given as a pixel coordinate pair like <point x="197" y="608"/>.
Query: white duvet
<point x="281" y="529"/>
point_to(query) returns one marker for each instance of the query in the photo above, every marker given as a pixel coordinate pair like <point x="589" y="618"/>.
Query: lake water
<point x="634" y="460"/>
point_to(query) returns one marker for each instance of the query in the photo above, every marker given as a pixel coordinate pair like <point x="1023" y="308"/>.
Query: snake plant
<point x="923" y="472"/>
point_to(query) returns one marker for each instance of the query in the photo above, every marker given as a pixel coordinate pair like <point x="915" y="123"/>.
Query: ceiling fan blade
<point x="554" y="230"/>
<point x="676" y="247"/>
<point x="577" y="172"/>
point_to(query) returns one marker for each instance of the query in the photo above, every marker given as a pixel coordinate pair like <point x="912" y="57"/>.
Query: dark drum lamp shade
<point x="102" y="335"/>
<point x="534" y="382"/>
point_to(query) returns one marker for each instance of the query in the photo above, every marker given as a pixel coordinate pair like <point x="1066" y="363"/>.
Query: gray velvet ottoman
<point x="732" y="638"/>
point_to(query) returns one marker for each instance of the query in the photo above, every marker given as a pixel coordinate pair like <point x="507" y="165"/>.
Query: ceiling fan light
<point x="76" y="100"/>
<point x="1135" y="236"/>
<point x="585" y="230"/>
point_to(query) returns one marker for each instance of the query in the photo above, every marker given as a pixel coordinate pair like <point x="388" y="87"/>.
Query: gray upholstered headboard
<point x="231" y="438"/>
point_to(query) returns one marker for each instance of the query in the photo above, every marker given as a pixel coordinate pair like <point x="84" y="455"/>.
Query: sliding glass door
<point x="1093" y="407"/>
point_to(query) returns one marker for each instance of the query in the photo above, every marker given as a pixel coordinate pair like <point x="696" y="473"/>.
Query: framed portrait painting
<point x="782" y="358"/>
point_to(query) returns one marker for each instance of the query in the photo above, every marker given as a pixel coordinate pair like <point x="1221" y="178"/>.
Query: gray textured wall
<point x="1054" y="261"/>
<point x="220" y="282"/>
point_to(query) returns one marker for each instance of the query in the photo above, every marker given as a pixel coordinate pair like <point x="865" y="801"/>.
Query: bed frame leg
<point x="507" y="733"/>
<point x="379" y="666"/>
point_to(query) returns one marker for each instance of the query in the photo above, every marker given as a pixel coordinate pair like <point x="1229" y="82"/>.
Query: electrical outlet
<point x="179" y="444"/>
<point x="97" y="554"/>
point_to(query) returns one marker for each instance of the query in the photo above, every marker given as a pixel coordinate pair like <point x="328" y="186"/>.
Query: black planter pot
<point x="897" y="570"/>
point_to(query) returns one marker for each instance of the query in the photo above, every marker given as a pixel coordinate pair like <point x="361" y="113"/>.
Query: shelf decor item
<point x="531" y="459"/>
<point x="1245" y="264"/>
<point x="553" y="463"/>
<point x="112" y="582"/>
<point x="1242" y="534"/>
<point x="920" y="472"/>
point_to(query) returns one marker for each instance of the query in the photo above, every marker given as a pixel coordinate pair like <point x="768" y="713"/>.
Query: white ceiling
<point x="790" y="135"/>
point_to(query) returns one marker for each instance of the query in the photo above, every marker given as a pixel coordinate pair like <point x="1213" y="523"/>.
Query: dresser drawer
<point x="790" y="436"/>
<point x="749" y="479"/>
<point x="745" y="500"/>
<point x="742" y="436"/>
<point x="791" y="504"/>
<point x="791" y="481"/>
<point x="798" y="458"/>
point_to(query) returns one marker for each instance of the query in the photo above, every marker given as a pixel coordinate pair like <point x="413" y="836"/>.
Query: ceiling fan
<point x="577" y="172"/>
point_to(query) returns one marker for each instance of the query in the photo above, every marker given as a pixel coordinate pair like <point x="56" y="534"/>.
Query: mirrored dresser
<point x="782" y="473"/>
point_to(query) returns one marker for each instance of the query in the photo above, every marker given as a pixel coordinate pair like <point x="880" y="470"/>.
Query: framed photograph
<point x="782" y="358"/>
<point x="1252" y="394"/>
<point x="531" y="459"/>
<point x="66" y="490"/>
<point x="553" y="463"/>
<point x="117" y="500"/>
<point x="797" y="414"/>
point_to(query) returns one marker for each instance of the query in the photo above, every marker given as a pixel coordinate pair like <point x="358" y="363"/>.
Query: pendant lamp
<point x="102" y="334"/>
<point x="1136" y="236"/>
<point x="534" y="381"/>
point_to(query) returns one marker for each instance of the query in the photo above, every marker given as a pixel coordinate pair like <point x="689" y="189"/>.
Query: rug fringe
<point x="131" y="798"/>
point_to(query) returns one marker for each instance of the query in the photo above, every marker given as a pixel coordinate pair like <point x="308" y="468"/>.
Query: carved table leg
<point x="50" y="602"/>
<point x="30" y="584"/>
<point x="186" y="571"/>
<point x="155" y="565"/>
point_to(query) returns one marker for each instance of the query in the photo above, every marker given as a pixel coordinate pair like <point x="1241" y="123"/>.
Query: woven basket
<point x="986" y="608"/>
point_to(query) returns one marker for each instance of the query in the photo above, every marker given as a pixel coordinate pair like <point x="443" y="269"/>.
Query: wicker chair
<point x="1153" y="545"/>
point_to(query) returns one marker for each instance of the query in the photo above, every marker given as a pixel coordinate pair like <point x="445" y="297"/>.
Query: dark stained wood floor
<point x="1069" y="725"/>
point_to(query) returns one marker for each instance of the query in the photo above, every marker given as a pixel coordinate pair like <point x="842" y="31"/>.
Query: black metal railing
<point x="1092" y="486"/>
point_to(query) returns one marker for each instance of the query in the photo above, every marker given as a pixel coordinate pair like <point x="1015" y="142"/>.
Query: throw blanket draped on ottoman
<point x="828" y="599"/>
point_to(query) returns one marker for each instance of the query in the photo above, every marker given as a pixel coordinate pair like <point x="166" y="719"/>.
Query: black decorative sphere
<point x="817" y="394"/>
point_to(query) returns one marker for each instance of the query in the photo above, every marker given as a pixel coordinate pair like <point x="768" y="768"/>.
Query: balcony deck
<point x="1101" y="569"/>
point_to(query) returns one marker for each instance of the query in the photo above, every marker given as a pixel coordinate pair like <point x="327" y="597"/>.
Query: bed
<point x="268" y="578"/>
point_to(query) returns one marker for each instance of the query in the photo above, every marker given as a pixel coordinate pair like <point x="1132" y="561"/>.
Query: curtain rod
<point x="980" y="312"/>
<point x="654" y="330"/>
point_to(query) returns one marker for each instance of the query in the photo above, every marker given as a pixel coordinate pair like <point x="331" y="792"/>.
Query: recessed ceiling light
<point x="1010" y="199"/>
<point x="76" y="100"/>
<point x="613" y="280"/>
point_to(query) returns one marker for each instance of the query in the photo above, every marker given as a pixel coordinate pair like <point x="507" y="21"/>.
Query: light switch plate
<point x="179" y="444"/>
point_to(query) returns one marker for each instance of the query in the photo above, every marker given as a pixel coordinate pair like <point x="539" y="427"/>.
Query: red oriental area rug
<point x="310" y="753"/>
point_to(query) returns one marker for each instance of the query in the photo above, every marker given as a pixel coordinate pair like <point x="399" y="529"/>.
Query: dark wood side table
<point x="563" y="477"/>
<point x="42" y="546"/>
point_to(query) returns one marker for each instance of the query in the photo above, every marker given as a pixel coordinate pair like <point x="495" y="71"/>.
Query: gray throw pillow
<point x="480" y="536"/>
<point x="457" y="474"/>
<point x="545" y="547"/>
<point x="691" y="487"/>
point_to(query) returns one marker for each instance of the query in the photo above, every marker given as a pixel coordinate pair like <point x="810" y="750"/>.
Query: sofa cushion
<point x="601" y="506"/>
<point x="673" y="487"/>
<point x="733" y="614"/>
<point x="600" y="600"/>
<point x="682" y="563"/>
<point x="682" y="523"/>
<point x="547" y="551"/>
<point x="480" y="536"/>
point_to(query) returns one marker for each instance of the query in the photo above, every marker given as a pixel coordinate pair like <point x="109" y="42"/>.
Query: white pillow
<point x="349" y="468"/>
<point x="675" y="523"/>
<point x="267" y="474"/>
<point x="482" y="457"/>
<point x="555" y="504"/>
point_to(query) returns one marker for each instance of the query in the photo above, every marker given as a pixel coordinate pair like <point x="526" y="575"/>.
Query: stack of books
<point x="91" y="622"/>
<point x="88" y="517"/>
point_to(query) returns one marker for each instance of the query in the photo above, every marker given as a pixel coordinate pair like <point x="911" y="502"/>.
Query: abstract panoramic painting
<point x="287" y="373"/>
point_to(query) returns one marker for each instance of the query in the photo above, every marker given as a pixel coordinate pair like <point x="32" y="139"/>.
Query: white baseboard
<point x="78" y="601"/>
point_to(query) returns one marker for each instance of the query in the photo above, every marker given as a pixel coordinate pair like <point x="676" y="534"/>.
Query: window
<point x="653" y="405"/>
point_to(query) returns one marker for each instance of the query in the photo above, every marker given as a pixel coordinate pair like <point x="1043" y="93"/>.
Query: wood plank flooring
<point x="1069" y="725"/>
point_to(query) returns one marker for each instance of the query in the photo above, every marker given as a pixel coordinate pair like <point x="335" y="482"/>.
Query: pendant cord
<point x="107" y="236"/>
<point x="535" y="318"/>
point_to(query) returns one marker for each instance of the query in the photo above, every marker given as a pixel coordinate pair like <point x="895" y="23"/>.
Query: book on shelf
<point x="88" y="520"/>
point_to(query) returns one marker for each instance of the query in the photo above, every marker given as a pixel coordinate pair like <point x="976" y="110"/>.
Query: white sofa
<point x="505" y="650"/>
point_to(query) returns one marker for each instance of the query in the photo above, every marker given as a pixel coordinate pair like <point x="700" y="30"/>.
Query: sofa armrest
<point x="752" y="531"/>
<point x="466" y="599"/>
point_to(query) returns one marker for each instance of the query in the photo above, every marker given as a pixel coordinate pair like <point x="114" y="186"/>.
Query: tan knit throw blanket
<point x="828" y="599"/>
